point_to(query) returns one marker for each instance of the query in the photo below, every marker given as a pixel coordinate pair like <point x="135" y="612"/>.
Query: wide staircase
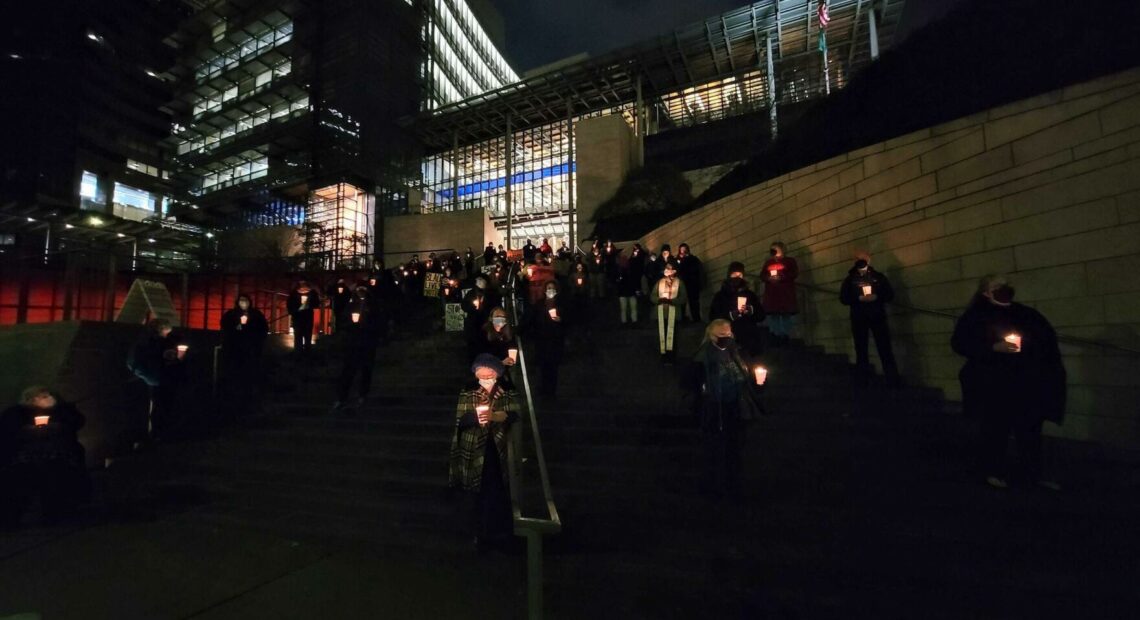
<point x="858" y="501"/>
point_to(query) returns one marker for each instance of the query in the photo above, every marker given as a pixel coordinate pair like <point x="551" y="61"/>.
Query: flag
<point x="823" y="41"/>
<point x="823" y="14"/>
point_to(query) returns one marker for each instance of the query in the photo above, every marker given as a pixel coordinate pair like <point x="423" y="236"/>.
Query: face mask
<point x="736" y="283"/>
<point x="500" y="322"/>
<point x="723" y="341"/>
<point x="863" y="271"/>
<point x="670" y="274"/>
<point x="487" y="384"/>
<point x="1003" y="295"/>
<point x="244" y="305"/>
<point x="479" y="284"/>
<point x="772" y="251"/>
<point x="551" y="294"/>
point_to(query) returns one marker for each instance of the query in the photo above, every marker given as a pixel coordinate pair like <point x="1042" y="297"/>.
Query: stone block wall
<point x="1045" y="189"/>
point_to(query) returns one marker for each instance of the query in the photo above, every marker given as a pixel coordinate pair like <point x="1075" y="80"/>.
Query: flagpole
<point x="824" y="18"/>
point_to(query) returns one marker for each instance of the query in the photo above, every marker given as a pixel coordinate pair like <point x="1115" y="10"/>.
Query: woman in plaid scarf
<point x="483" y="418"/>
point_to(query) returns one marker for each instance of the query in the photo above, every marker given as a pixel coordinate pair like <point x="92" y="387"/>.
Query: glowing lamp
<point x="513" y="354"/>
<point x="42" y="420"/>
<point x="1015" y="340"/>
<point x="741" y="304"/>
<point x="866" y="290"/>
<point x="761" y="375"/>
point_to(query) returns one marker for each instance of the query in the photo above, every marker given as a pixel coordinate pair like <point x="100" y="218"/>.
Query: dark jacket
<point x="147" y="359"/>
<point x="21" y="441"/>
<point x="363" y="334"/>
<point x="852" y="289"/>
<point x="1032" y="380"/>
<point x="722" y="378"/>
<point x="690" y="269"/>
<point x="293" y="303"/>
<point x="243" y="341"/>
<point x="725" y="306"/>
<point x="549" y="335"/>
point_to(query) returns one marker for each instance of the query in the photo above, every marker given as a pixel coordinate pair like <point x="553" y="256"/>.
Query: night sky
<point x="539" y="33"/>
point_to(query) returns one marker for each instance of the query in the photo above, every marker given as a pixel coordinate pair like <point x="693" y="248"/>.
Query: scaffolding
<point x="338" y="231"/>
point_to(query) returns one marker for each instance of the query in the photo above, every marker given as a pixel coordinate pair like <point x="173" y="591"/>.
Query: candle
<point x="761" y="375"/>
<point x="182" y="349"/>
<point x="580" y="281"/>
<point x="355" y="317"/>
<point x="529" y="272"/>
<point x="244" y="319"/>
<point x="304" y="299"/>
<point x="774" y="272"/>
<point x="866" y="290"/>
<point x="513" y="354"/>
<point x="446" y="292"/>
<point x="372" y="281"/>
<point x="553" y="313"/>
<point x="340" y="290"/>
<point x="483" y="413"/>
<point x="42" y="420"/>
<point x="476" y="303"/>
<point x="1015" y="340"/>
<point x="741" y="303"/>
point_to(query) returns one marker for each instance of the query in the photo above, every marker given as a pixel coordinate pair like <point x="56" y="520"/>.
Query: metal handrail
<point x="1074" y="340"/>
<point x="533" y="529"/>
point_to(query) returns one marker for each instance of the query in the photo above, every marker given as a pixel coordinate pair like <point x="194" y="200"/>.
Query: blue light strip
<point x="516" y="179"/>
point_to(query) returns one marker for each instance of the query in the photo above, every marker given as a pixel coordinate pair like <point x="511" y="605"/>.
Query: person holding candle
<point x="691" y="271"/>
<point x="244" y="330"/>
<point x="156" y="360"/>
<point x="725" y="380"/>
<point x="301" y="304"/>
<point x="499" y="341"/>
<point x="779" y="273"/>
<point x="40" y="455"/>
<point x="338" y="295"/>
<point x="670" y="296"/>
<point x="1013" y="379"/>
<point x="867" y="292"/>
<point x="547" y="323"/>
<point x="362" y="338"/>
<point x="596" y="266"/>
<point x="477" y="307"/>
<point x="477" y="464"/>
<point x="734" y="302"/>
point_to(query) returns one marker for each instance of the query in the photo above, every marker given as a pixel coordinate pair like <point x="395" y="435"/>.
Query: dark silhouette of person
<point x="301" y="304"/>
<point x="244" y="330"/>
<point x="867" y="292"/>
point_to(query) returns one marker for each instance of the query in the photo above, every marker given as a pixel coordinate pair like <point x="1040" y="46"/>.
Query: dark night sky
<point x="541" y="32"/>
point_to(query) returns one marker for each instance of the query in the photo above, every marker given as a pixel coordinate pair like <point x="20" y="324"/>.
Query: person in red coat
<point x="779" y="275"/>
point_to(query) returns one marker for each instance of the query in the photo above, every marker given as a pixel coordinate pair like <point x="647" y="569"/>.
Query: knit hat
<point x="486" y="360"/>
<point x="735" y="267"/>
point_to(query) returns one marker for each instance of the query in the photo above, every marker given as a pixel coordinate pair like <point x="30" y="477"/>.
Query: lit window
<point x="88" y="186"/>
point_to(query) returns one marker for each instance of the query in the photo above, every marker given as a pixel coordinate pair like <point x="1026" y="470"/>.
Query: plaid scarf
<point x="468" y="445"/>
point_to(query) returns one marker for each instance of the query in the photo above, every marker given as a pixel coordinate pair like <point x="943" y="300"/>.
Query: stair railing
<point x="531" y="528"/>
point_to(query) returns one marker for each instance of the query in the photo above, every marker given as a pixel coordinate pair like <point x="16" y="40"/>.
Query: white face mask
<point x="487" y="384"/>
<point x="244" y="305"/>
<point x="479" y="284"/>
<point x="551" y="294"/>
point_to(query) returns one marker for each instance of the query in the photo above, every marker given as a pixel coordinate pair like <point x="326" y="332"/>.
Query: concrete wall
<point x="405" y="235"/>
<point x="1046" y="189"/>
<point x="603" y="149"/>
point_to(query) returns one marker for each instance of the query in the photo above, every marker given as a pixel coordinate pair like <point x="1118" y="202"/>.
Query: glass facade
<point x="462" y="61"/>
<point x="338" y="227"/>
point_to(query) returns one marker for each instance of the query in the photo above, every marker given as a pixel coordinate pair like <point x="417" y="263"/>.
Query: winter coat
<point x="293" y="303"/>
<point x="852" y="289"/>
<point x="549" y="335"/>
<point x="725" y="306"/>
<point x="364" y="334"/>
<point x="469" y="443"/>
<point x="1032" y="381"/>
<point x="780" y="290"/>
<point x="690" y="269"/>
<point x="243" y="342"/>
<point x="151" y="360"/>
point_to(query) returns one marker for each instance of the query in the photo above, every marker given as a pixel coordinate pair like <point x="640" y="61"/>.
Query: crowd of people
<point x="1012" y="381"/>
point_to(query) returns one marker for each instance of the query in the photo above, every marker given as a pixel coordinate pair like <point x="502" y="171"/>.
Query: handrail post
<point x="534" y="574"/>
